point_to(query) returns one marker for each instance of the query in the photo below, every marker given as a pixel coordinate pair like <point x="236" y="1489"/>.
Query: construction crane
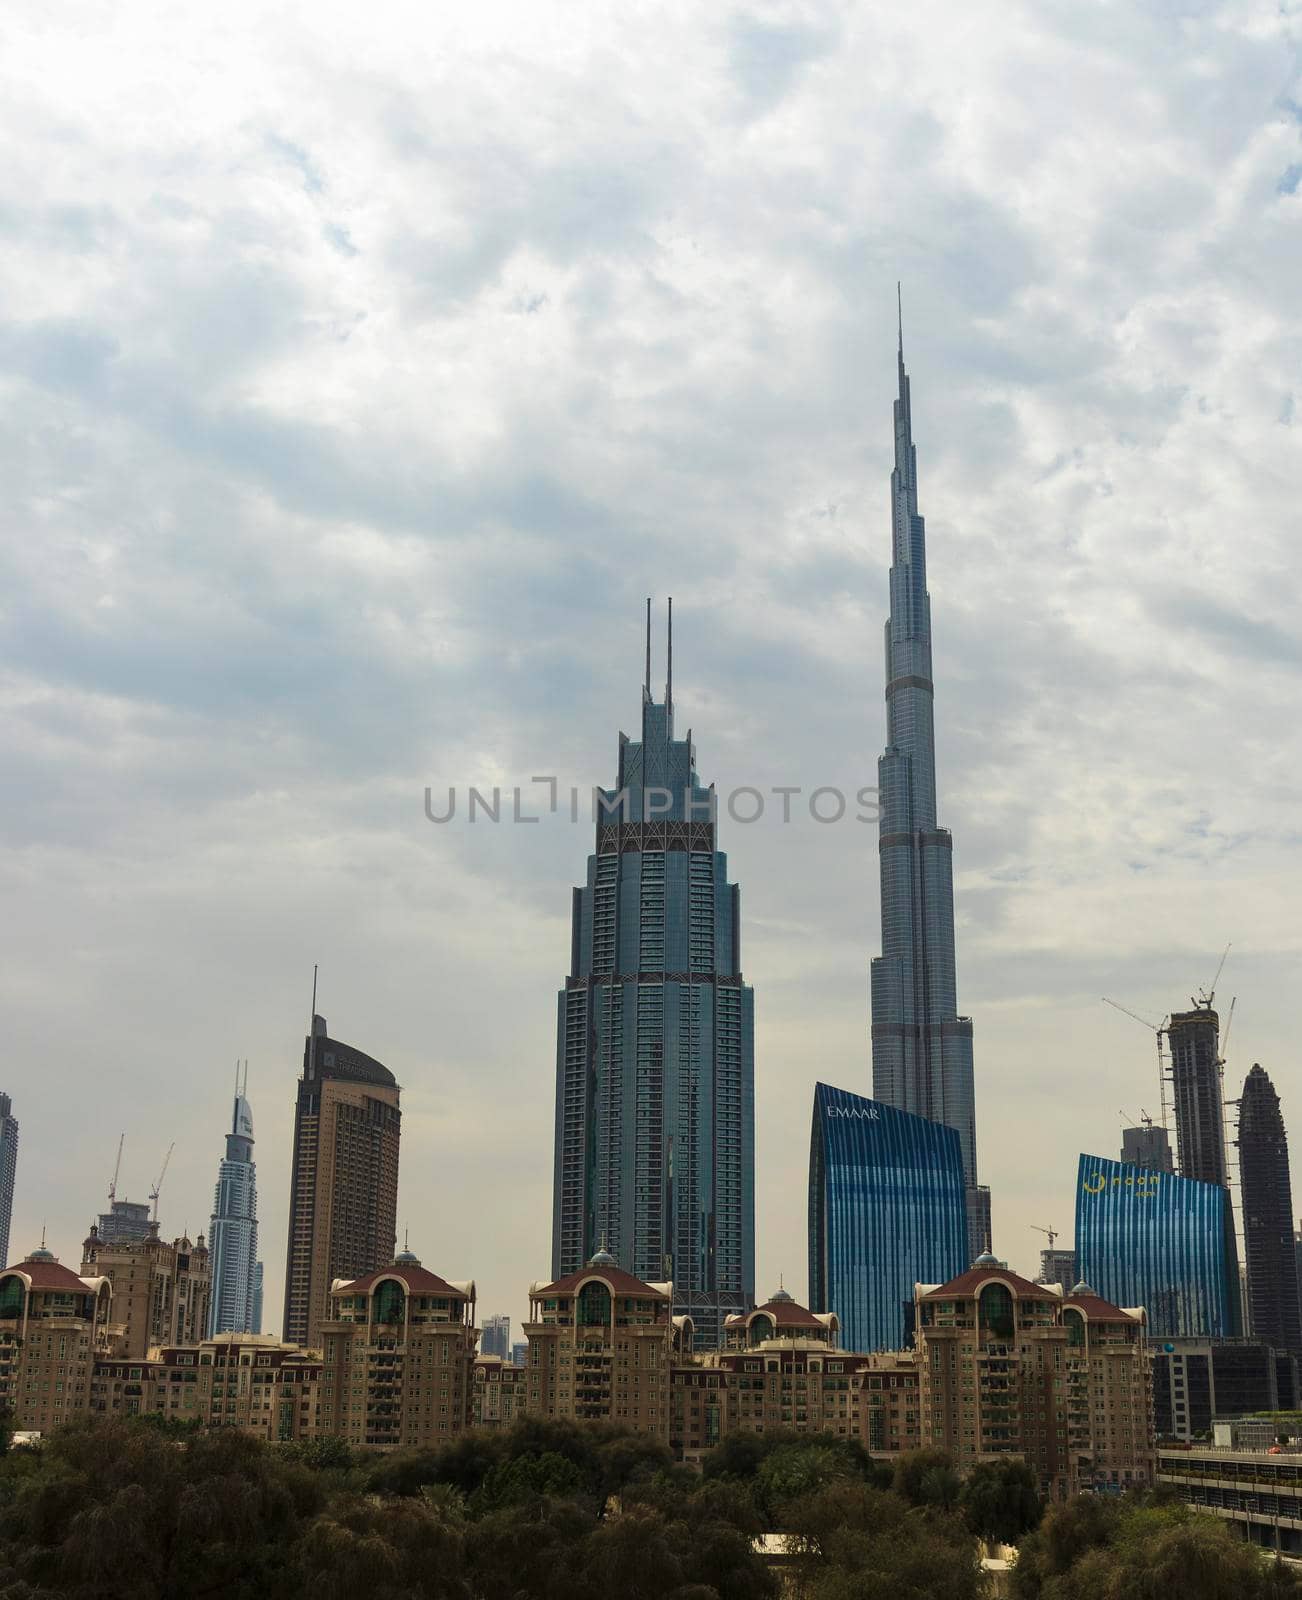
<point x="1207" y="996"/>
<point x="117" y="1168"/>
<point x="1158" y="1029"/>
<point x="1145" y="1121"/>
<point x="1051" y="1232"/>
<point x="154" y="1192"/>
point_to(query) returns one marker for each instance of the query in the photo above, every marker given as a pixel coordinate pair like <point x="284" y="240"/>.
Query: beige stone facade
<point x="53" y="1323"/>
<point x="497" y="1392"/>
<point x="161" y="1289"/>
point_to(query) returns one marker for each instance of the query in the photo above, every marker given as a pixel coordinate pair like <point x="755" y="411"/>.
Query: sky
<point x="362" y="370"/>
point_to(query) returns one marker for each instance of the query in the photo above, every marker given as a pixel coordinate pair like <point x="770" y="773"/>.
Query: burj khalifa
<point x="922" y="1048"/>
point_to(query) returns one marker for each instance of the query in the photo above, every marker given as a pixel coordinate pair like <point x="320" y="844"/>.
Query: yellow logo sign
<point x="1144" y="1184"/>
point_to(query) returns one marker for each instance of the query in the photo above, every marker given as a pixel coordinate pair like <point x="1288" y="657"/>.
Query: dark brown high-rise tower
<point x="1194" y="1041"/>
<point x="343" y="1198"/>
<point x="1268" y="1246"/>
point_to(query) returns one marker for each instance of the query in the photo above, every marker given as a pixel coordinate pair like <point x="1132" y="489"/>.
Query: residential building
<point x="1059" y="1266"/>
<point x="233" y="1231"/>
<point x="52" y="1325"/>
<point x="343" y="1198"/>
<point x="921" y="1046"/>
<point x="1147" y="1146"/>
<point x="234" y="1380"/>
<point x="1195" y="1381"/>
<point x="1166" y="1243"/>
<point x="1009" y="1367"/>
<point x="161" y="1289"/>
<point x="8" y="1171"/>
<point x="497" y="1388"/>
<point x="1193" y="1040"/>
<point x="602" y="1344"/>
<point x="654" y="1134"/>
<point x="399" y="1355"/>
<point x="887" y="1210"/>
<point x="1274" y="1312"/>
<point x="496" y="1337"/>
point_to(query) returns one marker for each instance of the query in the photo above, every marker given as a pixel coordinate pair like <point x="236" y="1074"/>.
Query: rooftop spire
<point x="646" y="682"/>
<point x="899" y="311"/>
<point x="669" y="659"/>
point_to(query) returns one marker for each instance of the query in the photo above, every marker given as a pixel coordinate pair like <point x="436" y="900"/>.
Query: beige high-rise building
<point x="52" y="1325"/>
<point x="399" y="1355"/>
<point x="343" y="1199"/>
<point x="1012" y="1368"/>
<point x="161" y="1289"/>
<point x="601" y="1347"/>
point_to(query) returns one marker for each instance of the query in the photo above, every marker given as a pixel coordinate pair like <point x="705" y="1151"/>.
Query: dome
<point x="1081" y="1288"/>
<point x="780" y="1298"/>
<point x="406" y="1258"/>
<point x="603" y="1258"/>
<point x="41" y="1254"/>
<point x="987" y="1260"/>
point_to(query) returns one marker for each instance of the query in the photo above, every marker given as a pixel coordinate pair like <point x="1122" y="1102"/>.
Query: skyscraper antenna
<point x="899" y="310"/>
<point x="669" y="660"/>
<point x="647" y="680"/>
<point x="311" y="1030"/>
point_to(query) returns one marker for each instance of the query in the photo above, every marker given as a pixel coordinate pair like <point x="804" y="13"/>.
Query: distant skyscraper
<point x="8" y="1172"/>
<point x="520" y="1353"/>
<point x="1193" y="1038"/>
<point x="922" y="1048"/>
<point x="1268" y="1248"/>
<point x="1059" y="1266"/>
<point x="887" y="1211"/>
<point x="1165" y="1243"/>
<point x="1149" y="1147"/>
<point x="343" y="1197"/>
<point x="495" y="1340"/>
<point x="125" y="1222"/>
<point x="654" y="1152"/>
<point x="233" y="1233"/>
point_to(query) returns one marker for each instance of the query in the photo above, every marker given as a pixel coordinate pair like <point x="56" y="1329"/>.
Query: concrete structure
<point x="233" y="1232"/>
<point x="1059" y="1266"/>
<point x="887" y="1210"/>
<point x="8" y="1171"/>
<point x="1009" y="1367"/>
<point x="1258" y="1493"/>
<point x="1193" y="1039"/>
<point x="53" y="1324"/>
<point x="496" y="1338"/>
<point x="921" y="1047"/>
<point x="1195" y="1381"/>
<point x="1148" y="1147"/>
<point x="343" y="1197"/>
<point x="125" y="1222"/>
<point x="161" y="1289"/>
<point x="232" y="1380"/>
<point x="1274" y="1313"/>
<point x="399" y="1354"/>
<point x="602" y="1344"/>
<point x="654" y="1130"/>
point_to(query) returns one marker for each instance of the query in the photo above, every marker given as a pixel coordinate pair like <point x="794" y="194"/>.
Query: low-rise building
<point x="601" y="1348"/>
<point x="1197" y="1380"/>
<point x="1009" y="1367"/>
<point x="1258" y="1492"/>
<point x="497" y="1390"/>
<point x="398" y="1355"/>
<point x="52" y="1325"/>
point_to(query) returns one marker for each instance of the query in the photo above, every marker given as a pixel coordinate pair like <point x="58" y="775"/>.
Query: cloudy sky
<point x="363" y="369"/>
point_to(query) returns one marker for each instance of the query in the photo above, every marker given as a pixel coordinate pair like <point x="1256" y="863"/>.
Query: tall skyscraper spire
<point x="654" y="1153"/>
<point x="922" y="1048"/>
<point x="233" y="1232"/>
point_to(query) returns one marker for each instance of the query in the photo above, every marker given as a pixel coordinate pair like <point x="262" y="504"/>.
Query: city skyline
<point x="322" y="490"/>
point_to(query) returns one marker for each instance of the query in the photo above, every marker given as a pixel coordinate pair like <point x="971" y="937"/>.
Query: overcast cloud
<point x="363" y="369"/>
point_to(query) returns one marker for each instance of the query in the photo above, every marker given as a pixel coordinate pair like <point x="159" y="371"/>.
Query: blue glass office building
<point x="887" y="1210"/>
<point x="654" y="1134"/>
<point x="1151" y="1239"/>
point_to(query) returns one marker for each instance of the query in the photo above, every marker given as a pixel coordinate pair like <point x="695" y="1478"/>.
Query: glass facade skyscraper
<point x="236" y="1303"/>
<point x="1150" y="1239"/>
<point x="654" y="1135"/>
<point x="8" y="1172"/>
<point x="887" y="1210"/>
<point x="922" y="1048"/>
<point x="1267" y="1190"/>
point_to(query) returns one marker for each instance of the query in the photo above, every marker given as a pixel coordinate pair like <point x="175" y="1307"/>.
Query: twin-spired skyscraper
<point x="235" y="1305"/>
<point x="921" y="1047"/>
<point x="655" y="1051"/>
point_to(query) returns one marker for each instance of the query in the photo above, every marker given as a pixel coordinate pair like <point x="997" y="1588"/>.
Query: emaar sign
<point x="863" y="1113"/>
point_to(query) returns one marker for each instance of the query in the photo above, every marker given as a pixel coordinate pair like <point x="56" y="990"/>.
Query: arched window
<point x="996" y="1309"/>
<point x="593" y="1309"/>
<point x="388" y="1303"/>
<point x="1075" y="1327"/>
<point x="11" y="1297"/>
<point x="761" y="1328"/>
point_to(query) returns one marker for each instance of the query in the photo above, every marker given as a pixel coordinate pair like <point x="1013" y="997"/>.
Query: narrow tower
<point x="922" y="1048"/>
<point x="8" y="1171"/>
<point x="233" y="1232"/>
<point x="1268" y="1247"/>
<point x="343" y="1197"/>
<point x="654" y="1155"/>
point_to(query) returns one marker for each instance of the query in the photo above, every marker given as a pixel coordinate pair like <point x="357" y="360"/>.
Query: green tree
<point x="926" y="1478"/>
<point x="1001" y="1500"/>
